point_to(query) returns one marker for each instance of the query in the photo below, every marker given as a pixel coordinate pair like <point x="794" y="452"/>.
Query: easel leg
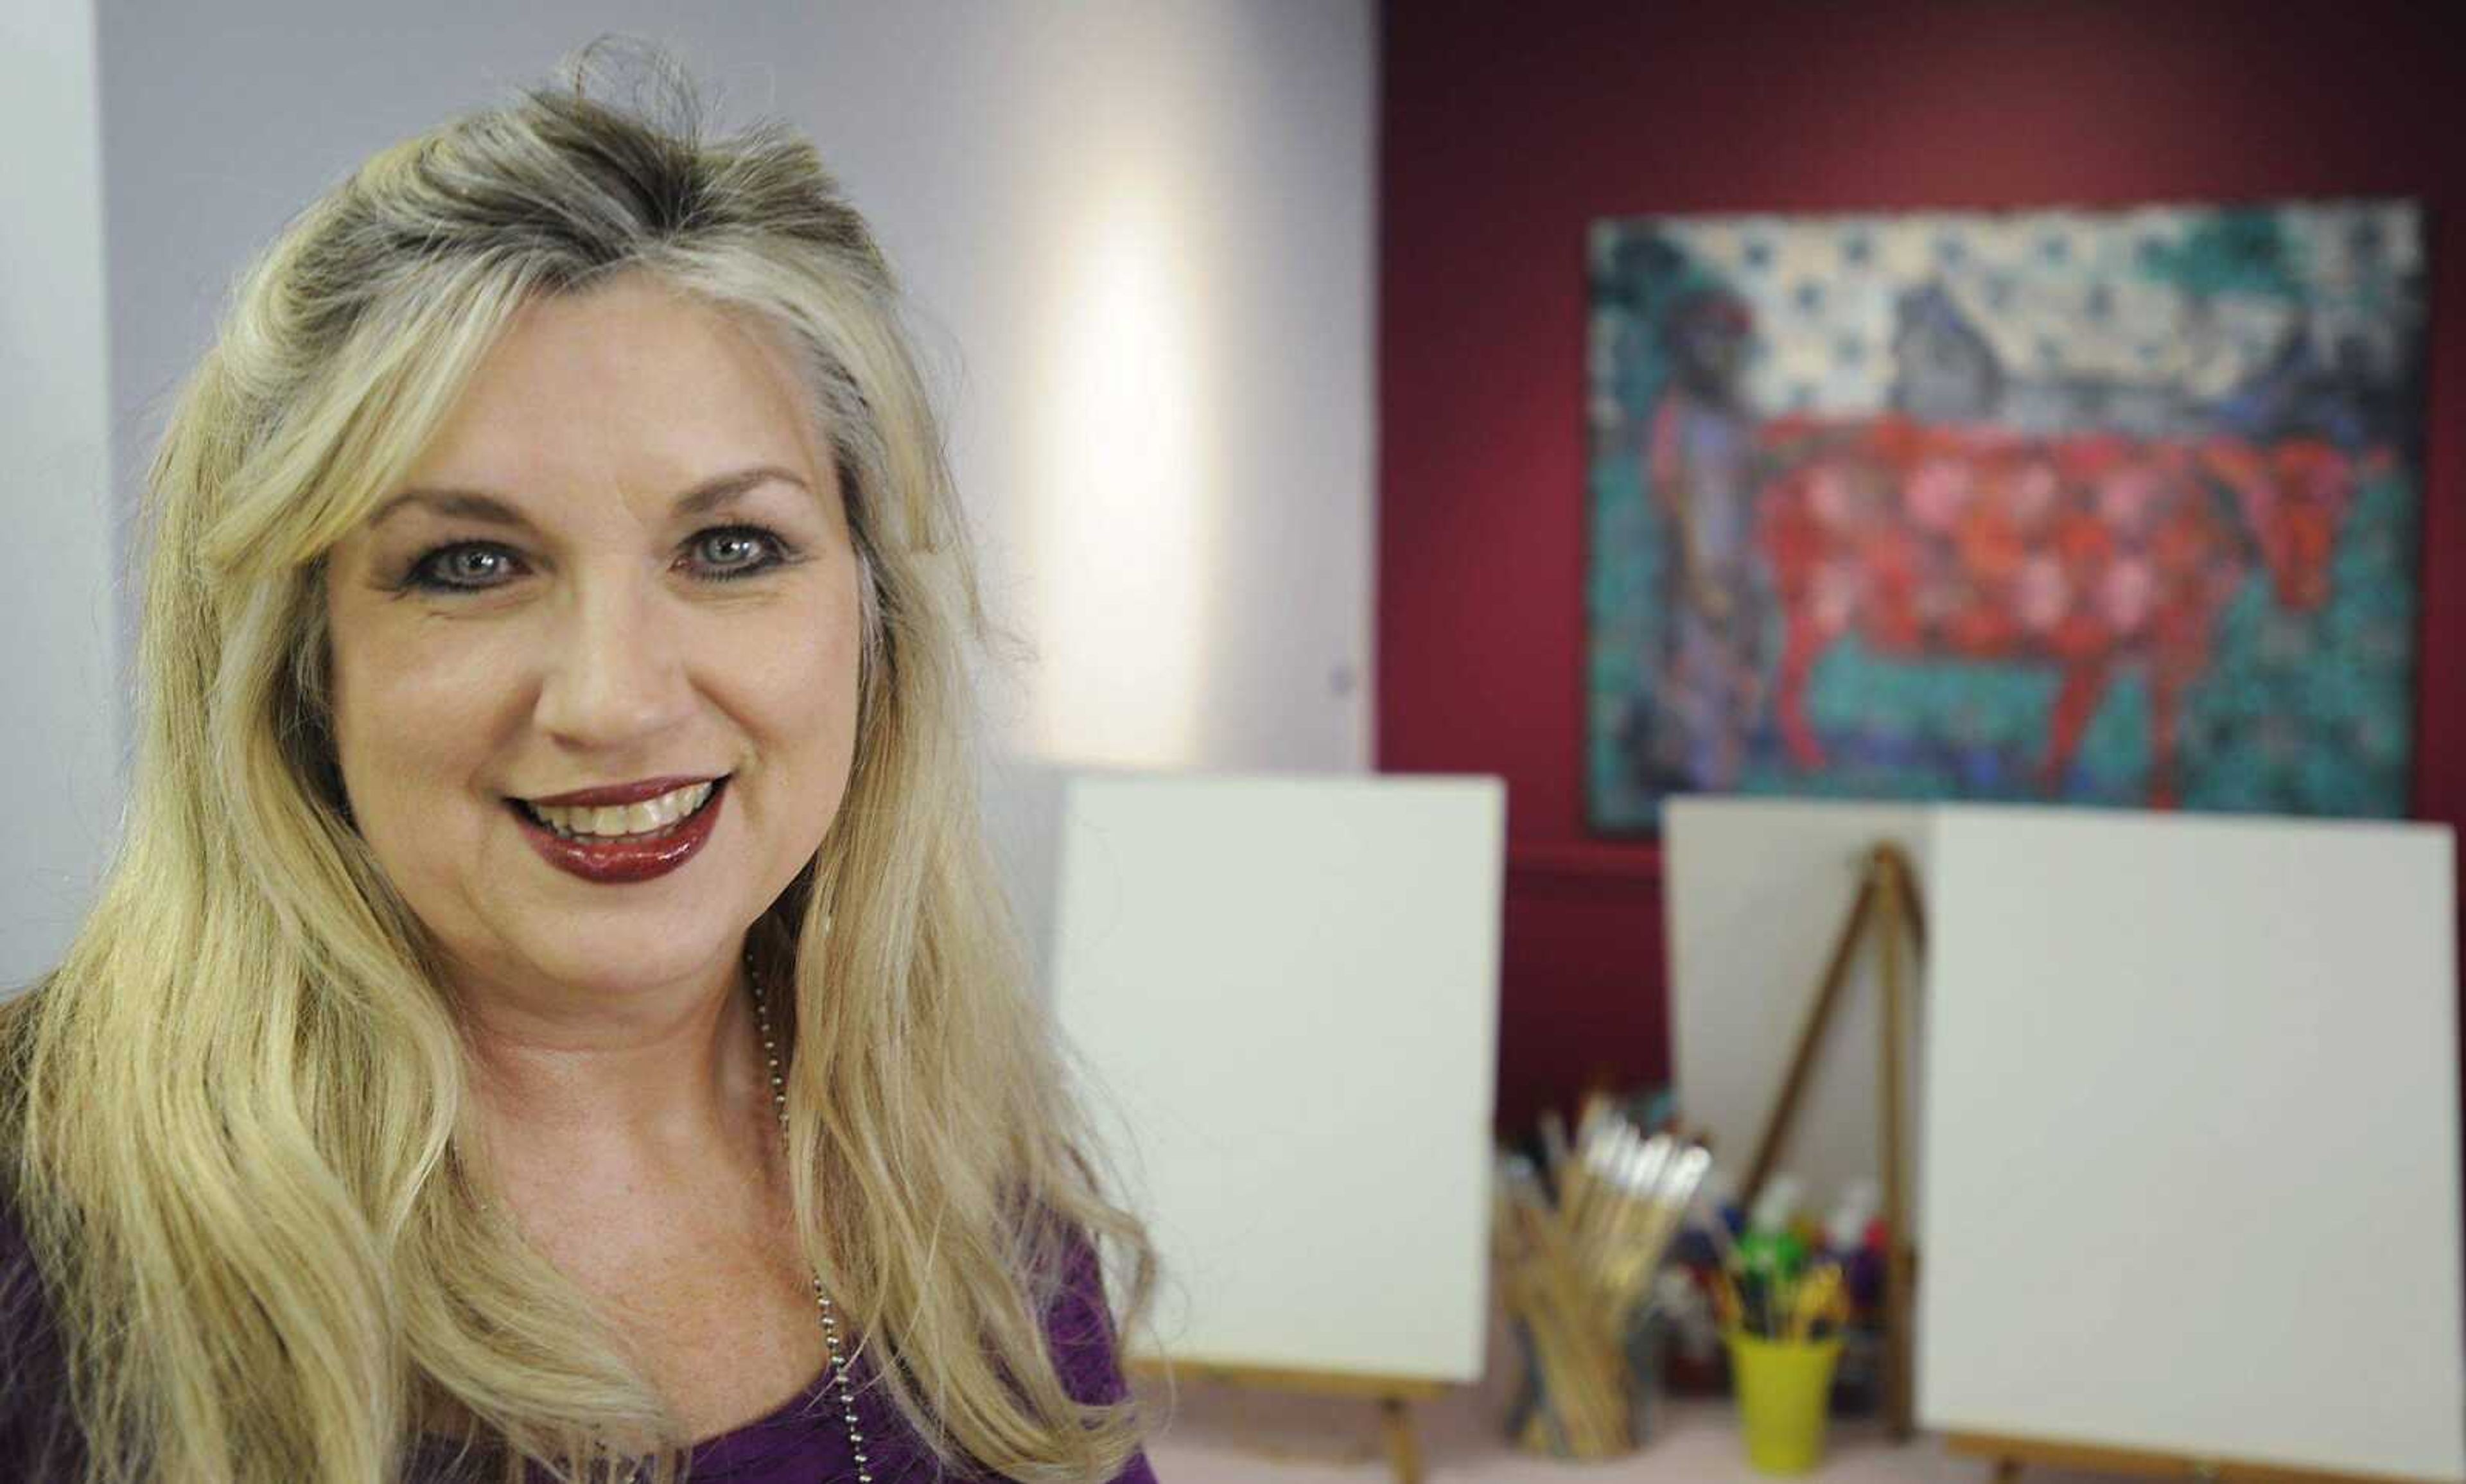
<point x="1810" y="1037"/>
<point x="1402" y="1452"/>
<point x="1884" y="872"/>
<point x="1889" y="906"/>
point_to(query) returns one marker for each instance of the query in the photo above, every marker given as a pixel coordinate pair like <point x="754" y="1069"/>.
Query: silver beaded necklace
<point x="830" y="1317"/>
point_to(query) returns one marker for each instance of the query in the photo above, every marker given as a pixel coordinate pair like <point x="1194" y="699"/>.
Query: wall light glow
<point x="1124" y="495"/>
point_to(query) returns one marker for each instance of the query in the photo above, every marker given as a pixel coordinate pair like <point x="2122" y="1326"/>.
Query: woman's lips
<point x="617" y="862"/>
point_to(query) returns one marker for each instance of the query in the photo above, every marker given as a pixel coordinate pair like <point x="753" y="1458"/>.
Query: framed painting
<point x="2111" y="508"/>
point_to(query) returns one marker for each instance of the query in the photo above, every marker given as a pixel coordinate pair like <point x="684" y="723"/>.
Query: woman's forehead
<point x="632" y="383"/>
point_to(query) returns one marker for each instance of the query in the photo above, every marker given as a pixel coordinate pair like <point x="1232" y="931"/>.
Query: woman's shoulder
<point x="1079" y="1324"/>
<point x="1084" y="1340"/>
<point x="25" y="1315"/>
<point x="34" y="1436"/>
<point x="36" y="1440"/>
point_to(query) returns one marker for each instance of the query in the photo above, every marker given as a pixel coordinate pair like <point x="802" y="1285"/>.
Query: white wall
<point x="1140" y="234"/>
<point x="58" y="731"/>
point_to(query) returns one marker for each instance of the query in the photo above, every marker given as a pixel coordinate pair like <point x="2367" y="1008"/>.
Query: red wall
<point x="1508" y="129"/>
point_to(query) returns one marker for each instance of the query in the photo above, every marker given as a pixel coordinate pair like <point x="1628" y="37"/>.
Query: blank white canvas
<point x="2192" y="1139"/>
<point x="1286" y="990"/>
<point x="1756" y="892"/>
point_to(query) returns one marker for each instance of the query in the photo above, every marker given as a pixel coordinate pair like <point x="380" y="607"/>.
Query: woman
<point x="551" y="1003"/>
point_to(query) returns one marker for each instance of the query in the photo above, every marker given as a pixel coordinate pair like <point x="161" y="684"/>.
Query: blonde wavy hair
<point x="238" y="1124"/>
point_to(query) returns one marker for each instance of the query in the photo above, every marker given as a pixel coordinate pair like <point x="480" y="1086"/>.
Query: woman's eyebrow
<point x="475" y="505"/>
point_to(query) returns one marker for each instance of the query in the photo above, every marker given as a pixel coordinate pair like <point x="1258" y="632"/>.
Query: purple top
<point x="804" y="1441"/>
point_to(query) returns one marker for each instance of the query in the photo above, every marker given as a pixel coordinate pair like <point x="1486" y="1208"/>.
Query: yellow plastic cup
<point x="1784" y="1390"/>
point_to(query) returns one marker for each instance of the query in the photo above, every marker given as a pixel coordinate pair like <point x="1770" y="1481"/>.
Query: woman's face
<point x="621" y="565"/>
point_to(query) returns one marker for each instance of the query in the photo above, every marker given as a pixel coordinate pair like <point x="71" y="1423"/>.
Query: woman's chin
<point x="616" y="969"/>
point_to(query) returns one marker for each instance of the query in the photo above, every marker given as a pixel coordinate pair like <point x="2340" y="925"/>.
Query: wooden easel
<point x="1890" y="908"/>
<point x="1393" y="1394"/>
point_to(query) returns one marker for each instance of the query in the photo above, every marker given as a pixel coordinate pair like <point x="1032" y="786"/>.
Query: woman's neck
<point x="579" y="1088"/>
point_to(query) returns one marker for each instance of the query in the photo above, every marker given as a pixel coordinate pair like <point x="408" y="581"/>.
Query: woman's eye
<point x="720" y="554"/>
<point x="729" y="552"/>
<point x="462" y="568"/>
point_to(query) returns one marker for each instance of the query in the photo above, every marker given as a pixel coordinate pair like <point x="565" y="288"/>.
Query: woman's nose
<point x="614" y="670"/>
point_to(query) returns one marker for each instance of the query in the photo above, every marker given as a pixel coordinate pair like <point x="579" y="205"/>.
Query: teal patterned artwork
<point x="2109" y="507"/>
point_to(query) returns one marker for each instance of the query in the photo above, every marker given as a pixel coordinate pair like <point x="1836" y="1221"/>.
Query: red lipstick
<point x="620" y="862"/>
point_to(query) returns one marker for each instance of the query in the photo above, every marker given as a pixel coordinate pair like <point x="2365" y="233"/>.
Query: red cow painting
<point x="2101" y="508"/>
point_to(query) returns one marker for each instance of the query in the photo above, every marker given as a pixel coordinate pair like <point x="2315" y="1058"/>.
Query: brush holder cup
<point x="1587" y="1391"/>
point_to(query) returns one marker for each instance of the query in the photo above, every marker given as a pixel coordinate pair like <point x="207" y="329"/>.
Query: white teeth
<point x="647" y="817"/>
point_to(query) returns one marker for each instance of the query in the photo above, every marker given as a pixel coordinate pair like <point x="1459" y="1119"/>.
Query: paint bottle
<point x="1721" y="1198"/>
<point x="1706" y="1233"/>
<point x="1864" y="1268"/>
<point x="1846" y="1233"/>
<point x="1775" y="1207"/>
<point x="1770" y="1255"/>
<point x="1856" y="1382"/>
